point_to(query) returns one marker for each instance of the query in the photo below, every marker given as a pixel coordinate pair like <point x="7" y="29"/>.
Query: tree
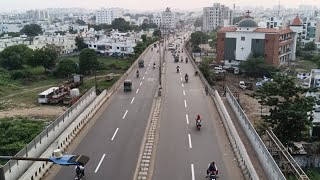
<point x="87" y="60"/>
<point x="310" y="46"/>
<point x="80" y="43"/>
<point x="80" y="22"/>
<point x="146" y="26"/>
<point x="196" y="49"/>
<point x="213" y="37"/>
<point x="290" y="116"/>
<point x="198" y="38"/>
<point x="299" y="49"/>
<point x="206" y="70"/>
<point x="256" y="67"/>
<point x="66" y="67"/>
<point x="13" y="57"/>
<point x="12" y="34"/>
<point x="140" y="47"/>
<point x="46" y="57"/>
<point x="31" y="30"/>
<point x="198" y="22"/>
<point x="144" y="38"/>
<point x="120" y="24"/>
<point x="156" y="33"/>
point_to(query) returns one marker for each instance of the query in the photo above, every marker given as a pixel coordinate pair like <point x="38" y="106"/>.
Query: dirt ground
<point x="249" y="104"/>
<point x="41" y="112"/>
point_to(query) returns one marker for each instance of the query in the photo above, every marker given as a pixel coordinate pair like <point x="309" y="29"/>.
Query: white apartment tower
<point x="106" y="16"/>
<point x="217" y="15"/>
<point x="168" y="19"/>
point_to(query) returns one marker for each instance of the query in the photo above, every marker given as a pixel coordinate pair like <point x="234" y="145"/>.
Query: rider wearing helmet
<point x="212" y="169"/>
<point x="79" y="170"/>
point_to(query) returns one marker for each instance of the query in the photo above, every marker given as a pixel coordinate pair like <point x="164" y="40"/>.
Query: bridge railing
<point x="269" y="165"/>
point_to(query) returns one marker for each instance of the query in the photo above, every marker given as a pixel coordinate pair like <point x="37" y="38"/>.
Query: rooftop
<point x="296" y="21"/>
<point x="248" y="22"/>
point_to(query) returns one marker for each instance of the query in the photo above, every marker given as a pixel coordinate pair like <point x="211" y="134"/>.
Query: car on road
<point x="141" y="63"/>
<point x="127" y="85"/>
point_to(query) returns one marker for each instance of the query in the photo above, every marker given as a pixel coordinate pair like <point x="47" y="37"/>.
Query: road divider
<point x="97" y="168"/>
<point x="114" y="134"/>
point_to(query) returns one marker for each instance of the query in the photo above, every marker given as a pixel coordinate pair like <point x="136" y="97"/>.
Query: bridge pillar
<point x="2" y="173"/>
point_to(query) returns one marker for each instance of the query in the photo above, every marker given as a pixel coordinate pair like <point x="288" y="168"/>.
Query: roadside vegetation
<point x="16" y="132"/>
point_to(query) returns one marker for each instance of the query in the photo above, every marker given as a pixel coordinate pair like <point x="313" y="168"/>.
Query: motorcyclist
<point x="186" y="76"/>
<point x="186" y="59"/>
<point x="79" y="170"/>
<point x="178" y="68"/>
<point x="137" y="73"/>
<point x="206" y="89"/>
<point x="212" y="169"/>
<point x="198" y="119"/>
<point x="154" y="65"/>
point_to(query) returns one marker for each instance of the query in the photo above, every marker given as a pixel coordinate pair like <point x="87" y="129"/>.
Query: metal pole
<point x="2" y="177"/>
<point x="160" y="58"/>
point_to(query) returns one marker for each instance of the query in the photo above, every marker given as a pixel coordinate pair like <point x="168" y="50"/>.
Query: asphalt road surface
<point x="114" y="141"/>
<point x="183" y="152"/>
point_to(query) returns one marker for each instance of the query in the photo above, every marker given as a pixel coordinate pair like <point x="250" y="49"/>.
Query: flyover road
<point x="183" y="152"/>
<point x="113" y="142"/>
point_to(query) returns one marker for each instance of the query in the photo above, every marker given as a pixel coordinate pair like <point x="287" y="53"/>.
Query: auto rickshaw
<point x="127" y="85"/>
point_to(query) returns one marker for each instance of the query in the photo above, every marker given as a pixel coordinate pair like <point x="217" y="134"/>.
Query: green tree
<point x="196" y="49"/>
<point x="198" y="22"/>
<point x="310" y="46"/>
<point x="87" y="61"/>
<point x="80" y="43"/>
<point x="213" y="37"/>
<point x="290" y="116"/>
<point x="13" y="57"/>
<point x="65" y="67"/>
<point x="146" y="26"/>
<point x="144" y="38"/>
<point x="12" y="34"/>
<point x="207" y="70"/>
<point x="120" y="24"/>
<point x="80" y="22"/>
<point x="31" y="30"/>
<point x="140" y="47"/>
<point x="157" y="33"/>
<point x="256" y="67"/>
<point x="46" y="57"/>
<point x="198" y="38"/>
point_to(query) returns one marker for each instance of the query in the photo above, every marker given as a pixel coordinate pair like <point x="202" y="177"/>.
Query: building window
<point x="243" y="38"/>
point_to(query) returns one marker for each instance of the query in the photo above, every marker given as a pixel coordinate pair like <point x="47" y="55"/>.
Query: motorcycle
<point x="196" y="73"/>
<point x="78" y="176"/>
<point x="137" y="75"/>
<point x="212" y="176"/>
<point x="198" y="124"/>
<point x="186" y="60"/>
<point x="178" y="70"/>
<point x="186" y="78"/>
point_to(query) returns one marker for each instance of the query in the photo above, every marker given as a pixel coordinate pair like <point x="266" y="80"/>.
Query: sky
<point x="8" y="5"/>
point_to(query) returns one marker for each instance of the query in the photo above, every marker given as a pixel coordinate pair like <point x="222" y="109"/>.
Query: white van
<point x="43" y="97"/>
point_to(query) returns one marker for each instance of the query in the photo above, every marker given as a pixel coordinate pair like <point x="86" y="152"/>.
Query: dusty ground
<point x="41" y="112"/>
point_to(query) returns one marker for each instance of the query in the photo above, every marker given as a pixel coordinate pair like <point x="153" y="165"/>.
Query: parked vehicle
<point x="45" y="95"/>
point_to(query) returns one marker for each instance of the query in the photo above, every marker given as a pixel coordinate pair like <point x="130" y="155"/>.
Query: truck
<point x="75" y="81"/>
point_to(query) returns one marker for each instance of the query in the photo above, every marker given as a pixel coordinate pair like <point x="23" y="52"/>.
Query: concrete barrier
<point x="67" y="132"/>
<point x="269" y="165"/>
<point x="237" y="146"/>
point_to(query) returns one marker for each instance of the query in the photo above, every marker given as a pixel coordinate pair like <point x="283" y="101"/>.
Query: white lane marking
<point x="185" y="103"/>
<point x="143" y="77"/>
<point x="182" y="84"/>
<point x="114" y="135"/>
<point x="149" y="64"/>
<point x="187" y="118"/>
<point x="180" y="73"/>
<point x="190" y="144"/>
<point x="140" y="83"/>
<point x="147" y="68"/>
<point x="192" y="172"/>
<point x="146" y="72"/>
<point x="181" y="78"/>
<point x="99" y="163"/>
<point x="137" y="91"/>
<point x="184" y="92"/>
<point x="125" y="114"/>
<point x="132" y="100"/>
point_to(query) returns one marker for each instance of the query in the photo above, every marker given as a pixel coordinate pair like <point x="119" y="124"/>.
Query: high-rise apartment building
<point x="216" y="16"/>
<point x="168" y="19"/>
<point x="108" y="15"/>
<point x="38" y="14"/>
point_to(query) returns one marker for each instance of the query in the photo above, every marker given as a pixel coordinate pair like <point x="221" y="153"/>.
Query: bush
<point x="20" y="74"/>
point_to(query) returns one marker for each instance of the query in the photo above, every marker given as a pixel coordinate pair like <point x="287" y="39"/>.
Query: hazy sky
<point x="143" y="4"/>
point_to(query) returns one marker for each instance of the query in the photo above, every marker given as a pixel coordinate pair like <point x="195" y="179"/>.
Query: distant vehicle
<point x="127" y="85"/>
<point x="176" y="58"/>
<point x="259" y="84"/>
<point x="219" y="70"/>
<point x="242" y="85"/>
<point x="141" y="63"/>
<point x="43" y="98"/>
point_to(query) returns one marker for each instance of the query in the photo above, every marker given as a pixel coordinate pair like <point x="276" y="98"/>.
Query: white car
<point x="259" y="84"/>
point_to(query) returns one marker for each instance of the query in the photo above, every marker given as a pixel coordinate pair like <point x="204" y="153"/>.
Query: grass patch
<point x="101" y="83"/>
<point x="305" y="65"/>
<point x="17" y="132"/>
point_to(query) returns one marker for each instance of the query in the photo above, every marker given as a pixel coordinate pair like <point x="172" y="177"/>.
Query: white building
<point x="168" y="19"/>
<point x="38" y="14"/>
<point x="157" y="19"/>
<point x="115" y="43"/>
<point x="217" y="15"/>
<point x="274" y="22"/>
<point x="141" y="20"/>
<point x="8" y="27"/>
<point x="108" y="15"/>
